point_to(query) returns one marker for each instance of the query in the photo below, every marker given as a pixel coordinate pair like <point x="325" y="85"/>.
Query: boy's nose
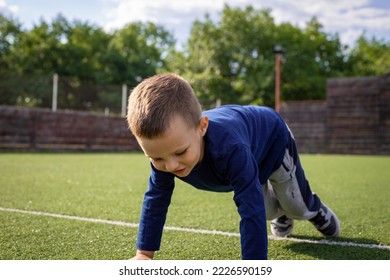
<point x="171" y="165"/>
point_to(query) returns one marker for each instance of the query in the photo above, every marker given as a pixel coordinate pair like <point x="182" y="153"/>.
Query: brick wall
<point x="384" y="115"/>
<point x="307" y="121"/>
<point x="358" y="115"/>
<point x="42" y="129"/>
<point x="355" y="119"/>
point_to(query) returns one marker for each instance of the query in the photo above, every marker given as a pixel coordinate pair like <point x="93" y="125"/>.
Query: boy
<point x="245" y="149"/>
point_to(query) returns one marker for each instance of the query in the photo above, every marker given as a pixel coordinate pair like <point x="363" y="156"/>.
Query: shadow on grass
<point x="340" y="249"/>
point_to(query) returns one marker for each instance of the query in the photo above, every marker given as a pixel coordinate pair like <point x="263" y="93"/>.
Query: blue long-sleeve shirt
<point x="243" y="146"/>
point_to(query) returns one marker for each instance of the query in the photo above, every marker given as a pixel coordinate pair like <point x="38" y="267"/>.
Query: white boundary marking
<point x="193" y="230"/>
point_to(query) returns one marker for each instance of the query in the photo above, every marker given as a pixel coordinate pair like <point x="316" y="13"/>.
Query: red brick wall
<point x="358" y="115"/>
<point x="42" y="129"/>
<point x="384" y="117"/>
<point x="307" y="121"/>
<point x="355" y="119"/>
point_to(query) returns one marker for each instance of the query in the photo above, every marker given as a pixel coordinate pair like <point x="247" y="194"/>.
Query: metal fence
<point x="60" y="92"/>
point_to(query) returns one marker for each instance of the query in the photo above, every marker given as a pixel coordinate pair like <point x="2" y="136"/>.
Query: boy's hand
<point x="143" y="255"/>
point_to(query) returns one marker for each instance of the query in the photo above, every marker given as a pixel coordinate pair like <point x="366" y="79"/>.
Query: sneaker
<point x="282" y="226"/>
<point x="326" y="222"/>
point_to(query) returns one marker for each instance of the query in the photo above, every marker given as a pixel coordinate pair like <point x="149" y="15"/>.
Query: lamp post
<point x="278" y="51"/>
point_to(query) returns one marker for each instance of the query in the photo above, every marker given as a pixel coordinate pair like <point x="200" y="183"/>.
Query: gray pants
<point x="287" y="191"/>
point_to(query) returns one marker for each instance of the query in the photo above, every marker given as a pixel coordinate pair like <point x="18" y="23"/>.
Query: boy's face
<point x="179" y="150"/>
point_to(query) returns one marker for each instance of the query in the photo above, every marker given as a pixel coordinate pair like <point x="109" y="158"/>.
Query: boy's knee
<point x="290" y="200"/>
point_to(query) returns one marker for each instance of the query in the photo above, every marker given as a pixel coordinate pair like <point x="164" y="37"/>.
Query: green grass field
<point x="111" y="187"/>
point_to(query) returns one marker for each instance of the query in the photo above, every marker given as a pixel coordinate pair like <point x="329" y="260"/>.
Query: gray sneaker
<point x="282" y="226"/>
<point x="326" y="222"/>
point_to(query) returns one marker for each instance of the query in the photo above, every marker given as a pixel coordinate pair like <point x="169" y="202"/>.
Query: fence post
<point x="124" y="97"/>
<point x="278" y="51"/>
<point x="55" y="92"/>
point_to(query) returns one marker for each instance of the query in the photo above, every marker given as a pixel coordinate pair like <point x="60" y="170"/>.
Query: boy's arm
<point x="243" y="174"/>
<point x="153" y="214"/>
<point x="143" y="255"/>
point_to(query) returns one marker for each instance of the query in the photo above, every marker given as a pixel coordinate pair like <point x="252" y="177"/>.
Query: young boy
<point x="245" y="149"/>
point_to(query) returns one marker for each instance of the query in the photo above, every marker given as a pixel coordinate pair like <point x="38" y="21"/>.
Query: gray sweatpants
<point x="287" y="191"/>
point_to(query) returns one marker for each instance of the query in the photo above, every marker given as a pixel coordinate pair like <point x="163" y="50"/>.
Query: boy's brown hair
<point x="154" y="102"/>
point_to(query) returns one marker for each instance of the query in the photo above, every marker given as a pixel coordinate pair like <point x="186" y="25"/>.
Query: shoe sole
<point x="287" y="233"/>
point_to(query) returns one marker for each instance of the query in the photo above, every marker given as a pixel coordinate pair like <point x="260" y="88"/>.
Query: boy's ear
<point x="203" y="125"/>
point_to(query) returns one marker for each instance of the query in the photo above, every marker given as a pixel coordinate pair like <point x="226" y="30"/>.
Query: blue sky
<point x="348" y="18"/>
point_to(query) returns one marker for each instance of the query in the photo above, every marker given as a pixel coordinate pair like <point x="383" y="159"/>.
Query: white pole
<point x="55" y="92"/>
<point x="218" y="103"/>
<point x="124" y="97"/>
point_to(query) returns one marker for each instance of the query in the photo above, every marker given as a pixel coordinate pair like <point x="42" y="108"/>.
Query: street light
<point x="278" y="51"/>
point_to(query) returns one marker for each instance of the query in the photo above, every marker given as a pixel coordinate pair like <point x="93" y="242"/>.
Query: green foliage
<point x="370" y="57"/>
<point x="311" y="57"/>
<point x="231" y="60"/>
<point x="136" y="51"/>
<point x="83" y="55"/>
<point x="10" y="31"/>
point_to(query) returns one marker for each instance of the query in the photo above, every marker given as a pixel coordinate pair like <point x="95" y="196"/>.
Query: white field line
<point x="193" y="230"/>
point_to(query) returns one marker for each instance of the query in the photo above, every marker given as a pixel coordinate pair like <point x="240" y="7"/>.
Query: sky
<point x="347" y="18"/>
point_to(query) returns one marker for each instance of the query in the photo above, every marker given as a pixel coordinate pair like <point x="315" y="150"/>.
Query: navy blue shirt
<point x="243" y="146"/>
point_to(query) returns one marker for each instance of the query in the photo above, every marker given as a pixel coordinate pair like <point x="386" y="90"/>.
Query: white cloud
<point x="159" y="11"/>
<point x="7" y="9"/>
<point x="348" y="18"/>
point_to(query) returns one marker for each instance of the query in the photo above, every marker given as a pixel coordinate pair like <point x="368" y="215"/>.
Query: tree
<point x="233" y="59"/>
<point x="10" y="30"/>
<point x="68" y="48"/>
<point x="136" y="51"/>
<point x="370" y="57"/>
<point x="228" y="60"/>
<point x="86" y="58"/>
<point x="312" y="56"/>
